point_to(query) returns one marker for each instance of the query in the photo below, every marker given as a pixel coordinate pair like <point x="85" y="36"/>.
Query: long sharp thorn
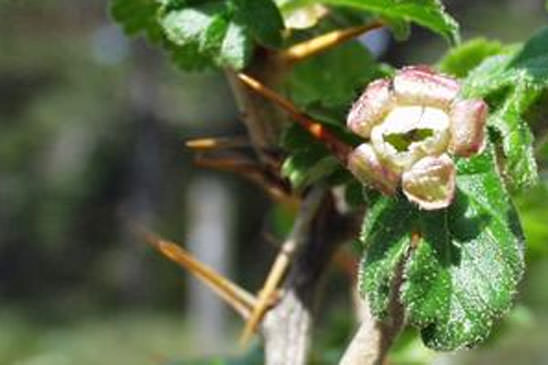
<point x="324" y="42"/>
<point x="239" y="299"/>
<point x="264" y="298"/>
<point x="215" y="143"/>
<point x="251" y="171"/>
<point x="338" y="147"/>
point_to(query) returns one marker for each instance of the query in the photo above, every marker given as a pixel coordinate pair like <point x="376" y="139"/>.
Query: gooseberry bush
<point x="427" y="157"/>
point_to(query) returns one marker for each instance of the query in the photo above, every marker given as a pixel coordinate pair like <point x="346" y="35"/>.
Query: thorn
<point x="338" y="147"/>
<point x="215" y="143"/>
<point x="264" y="298"/>
<point x="238" y="298"/>
<point x="324" y="42"/>
<point x="235" y="163"/>
<point x="252" y="171"/>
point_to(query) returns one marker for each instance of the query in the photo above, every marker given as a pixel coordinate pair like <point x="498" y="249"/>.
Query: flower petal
<point x="420" y="85"/>
<point x="430" y="182"/>
<point x="467" y="126"/>
<point x="375" y="102"/>
<point x="366" y="166"/>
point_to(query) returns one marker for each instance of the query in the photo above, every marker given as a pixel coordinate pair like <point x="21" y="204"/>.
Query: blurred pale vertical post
<point x="209" y="236"/>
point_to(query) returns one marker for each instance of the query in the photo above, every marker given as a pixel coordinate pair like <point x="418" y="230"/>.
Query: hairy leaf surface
<point x="461" y="272"/>
<point x="511" y="83"/>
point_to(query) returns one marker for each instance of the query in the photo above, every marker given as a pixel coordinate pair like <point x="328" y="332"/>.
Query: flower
<point x="415" y="121"/>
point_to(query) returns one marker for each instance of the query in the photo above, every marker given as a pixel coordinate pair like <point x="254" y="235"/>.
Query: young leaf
<point x="461" y="272"/>
<point x="428" y="13"/>
<point x="138" y="16"/>
<point x="460" y="60"/>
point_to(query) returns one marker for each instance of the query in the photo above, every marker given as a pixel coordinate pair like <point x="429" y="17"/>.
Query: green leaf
<point x="527" y="64"/>
<point x="138" y="17"/>
<point x="324" y="87"/>
<point x="334" y="78"/>
<point x="511" y="84"/>
<point x="263" y="19"/>
<point x="462" y="272"/>
<point x="222" y="31"/>
<point x="207" y="31"/>
<point x="308" y="162"/>
<point x="459" y="61"/>
<point x="386" y="234"/>
<point x="533" y="58"/>
<point x="519" y="165"/>
<point x="428" y="13"/>
<point x="509" y="92"/>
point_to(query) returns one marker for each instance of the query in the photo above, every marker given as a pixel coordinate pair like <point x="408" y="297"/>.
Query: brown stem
<point x="373" y="338"/>
<point x="287" y="327"/>
<point x="285" y="256"/>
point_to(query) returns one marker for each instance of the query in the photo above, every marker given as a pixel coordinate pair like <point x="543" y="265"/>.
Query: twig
<point x="287" y="327"/>
<point x="373" y="338"/>
<point x="324" y="42"/>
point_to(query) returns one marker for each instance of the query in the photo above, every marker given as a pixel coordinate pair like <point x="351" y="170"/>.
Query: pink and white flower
<point x="414" y="123"/>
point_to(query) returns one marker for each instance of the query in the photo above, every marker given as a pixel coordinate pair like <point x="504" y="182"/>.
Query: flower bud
<point x="430" y="182"/>
<point x="467" y="127"/>
<point x="370" y="108"/>
<point x="364" y="163"/>
<point x="420" y="85"/>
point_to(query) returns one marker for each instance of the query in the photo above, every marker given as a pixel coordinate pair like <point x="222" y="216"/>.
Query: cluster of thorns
<point x="250" y="307"/>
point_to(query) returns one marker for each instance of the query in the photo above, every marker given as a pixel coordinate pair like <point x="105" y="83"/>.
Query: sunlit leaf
<point x="460" y="60"/>
<point x="428" y="13"/>
<point x="460" y="273"/>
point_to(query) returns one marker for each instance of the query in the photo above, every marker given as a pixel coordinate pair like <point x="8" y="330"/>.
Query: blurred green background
<point x="92" y="130"/>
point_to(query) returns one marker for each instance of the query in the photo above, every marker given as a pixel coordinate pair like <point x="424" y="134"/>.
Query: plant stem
<point x="294" y="241"/>
<point x="373" y="338"/>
